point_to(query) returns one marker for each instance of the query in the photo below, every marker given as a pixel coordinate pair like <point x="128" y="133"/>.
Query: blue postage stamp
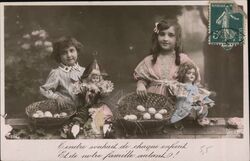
<point x="226" y="25"/>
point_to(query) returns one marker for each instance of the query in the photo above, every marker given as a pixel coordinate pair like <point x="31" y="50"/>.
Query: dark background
<point x="122" y="37"/>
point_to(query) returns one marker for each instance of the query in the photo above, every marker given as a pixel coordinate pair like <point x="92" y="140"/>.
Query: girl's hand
<point x="141" y="90"/>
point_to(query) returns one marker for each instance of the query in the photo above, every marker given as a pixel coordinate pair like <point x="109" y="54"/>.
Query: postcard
<point x="124" y="80"/>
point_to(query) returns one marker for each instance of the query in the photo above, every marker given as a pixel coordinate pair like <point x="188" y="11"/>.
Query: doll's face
<point x="69" y="56"/>
<point x="94" y="78"/>
<point x="190" y="76"/>
<point x="167" y="39"/>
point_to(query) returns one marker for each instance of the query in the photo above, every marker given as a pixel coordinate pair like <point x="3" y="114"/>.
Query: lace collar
<point x="66" y="68"/>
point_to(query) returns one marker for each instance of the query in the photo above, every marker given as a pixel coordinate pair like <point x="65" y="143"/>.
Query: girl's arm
<point x="49" y="88"/>
<point x="143" y="74"/>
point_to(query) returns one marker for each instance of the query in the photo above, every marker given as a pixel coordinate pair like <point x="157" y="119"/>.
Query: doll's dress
<point x="189" y="97"/>
<point x="95" y="112"/>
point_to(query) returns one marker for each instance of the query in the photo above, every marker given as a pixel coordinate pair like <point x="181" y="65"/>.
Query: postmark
<point x="226" y="25"/>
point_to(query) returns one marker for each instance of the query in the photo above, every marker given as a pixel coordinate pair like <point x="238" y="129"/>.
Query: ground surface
<point x="218" y="129"/>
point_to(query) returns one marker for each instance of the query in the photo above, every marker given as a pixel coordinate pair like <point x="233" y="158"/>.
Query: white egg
<point x="158" y="116"/>
<point x="163" y="111"/>
<point x="152" y="110"/>
<point x="48" y="114"/>
<point x="126" y="117"/>
<point x="56" y="115"/>
<point x="40" y="113"/>
<point x="132" y="117"/>
<point x="35" y="115"/>
<point x="63" y="114"/>
<point x="146" y="116"/>
<point x="140" y="108"/>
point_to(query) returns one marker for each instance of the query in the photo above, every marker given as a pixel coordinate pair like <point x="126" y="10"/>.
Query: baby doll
<point x="191" y="99"/>
<point x="92" y="89"/>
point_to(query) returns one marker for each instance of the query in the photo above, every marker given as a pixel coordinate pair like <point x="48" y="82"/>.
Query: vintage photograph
<point x="123" y="72"/>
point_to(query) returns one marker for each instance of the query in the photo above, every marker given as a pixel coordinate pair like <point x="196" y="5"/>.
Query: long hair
<point x="63" y="43"/>
<point x="183" y="69"/>
<point x="163" y="25"/>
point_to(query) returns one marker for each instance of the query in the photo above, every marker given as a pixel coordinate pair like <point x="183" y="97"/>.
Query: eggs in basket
<point x="48" y="114"/>
<point x="147" y="114"/>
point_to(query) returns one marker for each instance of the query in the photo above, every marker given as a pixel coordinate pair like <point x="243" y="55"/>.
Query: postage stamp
<point x="226" y="25"/>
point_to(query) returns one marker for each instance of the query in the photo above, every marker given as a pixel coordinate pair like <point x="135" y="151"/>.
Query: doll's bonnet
<point x="94" y="68"/>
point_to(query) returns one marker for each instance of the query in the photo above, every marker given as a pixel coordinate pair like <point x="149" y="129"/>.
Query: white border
<point x="224" y="149"/>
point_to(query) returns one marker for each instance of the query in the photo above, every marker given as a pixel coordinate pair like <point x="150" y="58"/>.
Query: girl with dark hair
<point x="60" y="80"/>
<point x="155" y="71"/>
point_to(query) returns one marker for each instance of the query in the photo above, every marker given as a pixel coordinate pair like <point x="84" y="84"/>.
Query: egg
<point x="63" y="114"/>
<point x="35" y="115"/>
<point x="140" y="108"/>
<point x="152" y="110"/>
<point x="56" y="115"/>
<point x="163" y="111"/>
<point x="146" y="116"/>
<point x="40" y="113"/>
<point x="158" y="116"/>
<point x="126" y="117"/>
<point x="132" y="117"/>
<point x="48" y="114"/>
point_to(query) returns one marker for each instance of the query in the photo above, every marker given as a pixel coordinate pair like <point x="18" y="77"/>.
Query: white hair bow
<point x="156" y="30"/>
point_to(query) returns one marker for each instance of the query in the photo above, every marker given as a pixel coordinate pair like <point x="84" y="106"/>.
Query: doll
<point x="191" y="99"/>
<point x="91" y="89"/>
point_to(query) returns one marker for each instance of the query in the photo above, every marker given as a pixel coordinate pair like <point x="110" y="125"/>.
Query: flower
<point x="34" y="33"/>
<point x="106" y="86"/>
<point x="43" y="34"/>
<point x="25" y="46"/>
<point x="49" y="49"/>
<point x="103" y="87"/>
<point x="38" y="43"/>
<point x="47" y="43"/>
<point x="156" y="30"/>
<point x="26" y="36"/>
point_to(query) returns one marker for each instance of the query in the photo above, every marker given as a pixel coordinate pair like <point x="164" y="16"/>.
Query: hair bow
<point x="156" y="30"/>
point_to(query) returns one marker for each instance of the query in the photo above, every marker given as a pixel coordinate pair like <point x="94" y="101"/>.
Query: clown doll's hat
<point x="94" y="68"/>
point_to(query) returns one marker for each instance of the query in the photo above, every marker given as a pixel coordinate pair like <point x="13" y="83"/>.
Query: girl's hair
<point x="63" y="43"/>
<point x="183" y="69"/>
<point x="163" y="25"/>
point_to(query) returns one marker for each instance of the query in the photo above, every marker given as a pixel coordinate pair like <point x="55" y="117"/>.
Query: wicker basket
<point x="49" y="105"/>
<point x="128" y="103"/>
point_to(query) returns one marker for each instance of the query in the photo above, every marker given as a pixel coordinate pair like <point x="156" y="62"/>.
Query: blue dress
<point x="190" y="97"/>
